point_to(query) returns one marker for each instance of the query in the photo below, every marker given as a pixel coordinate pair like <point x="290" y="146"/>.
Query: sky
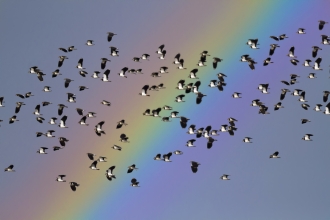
<point x="294" y="186"/>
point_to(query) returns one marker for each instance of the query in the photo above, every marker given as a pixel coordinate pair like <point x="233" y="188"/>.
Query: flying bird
<point x="109" y="173"/>
<point x="110" y="36"/>
<point x="98" y="128"/>
<point x="60" y="62"/>
<point x="131" y="168"/>
<point x="194" y="166"/>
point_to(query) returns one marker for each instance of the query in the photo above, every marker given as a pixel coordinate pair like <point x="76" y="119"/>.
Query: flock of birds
<point x="187" y="88"/>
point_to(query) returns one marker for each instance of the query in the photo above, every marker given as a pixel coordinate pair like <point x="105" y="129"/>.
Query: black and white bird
<point x="294" y="61"/>
<point x="20" y="95"/>
<point x="109" y="173"/>
<point x="301" y="31"/>
<point x="158" y="157"/>
<point x="325" y="96"/>
<point x="155" y="74"/>
<point x="236" y="95"/>
<point x="179" y="98"/>
<point x="178" y="152"/>
<point x="60" y="109"/>
<point x="199" y="98"/>
<point x="83" y="73"/>
<point x="73" y="186"/>
<point x="256" y="102"/>
<point x="303" y="121"/>
<point x="49" y="134"/>
<point x="302" y="97"/>
<point x="131" y="168"/>
<point x="296" y="92"/>
<point x="162" y="57"/>
<point x="272" y="49"/>
<point x="245" y="58"/>
<point x="307" y="137"/>
<point x="281" y="37"/>
<point x="305" y="106"/>
<point x="327" y="109"/>
<point x="263" y="88"/>
<point x="191" y="129"/>
<point x="63" y="49"/>
<point x="136" y="59"/>
<point x="160" y="49"/>
<point x="144" y="91"/>
<point x="40" y="76"/>
<point x="307" y="63"/>
<point x="42" y="150"/>
<point x="177" y="59"/>
<point x="201" y="62"/>
<point x="67" y="82"/>
<point x="247" y="140"/>
<point x="210" y="141"/>
<point x="216" y="60"/>
<point x="1" y="101"/>
<point x="116" y="147"/>
<point x="28" y="94"/>
<point x="62" y="141"/>
<point x="274" y="155"/>
<point x="123" y="138"/>
<point x="318" y="108"/>
<point x="163" y="69"/>
<point x="52" y="121"/>
<point x="123" y="72"/>
<point x="194" y="166"/>
<point x="95" y="75"/>
<point x="291" y="53"/>
<point x="183" y="121"/>
<point x="34" y="70"/>
<point x="90" y="43"/>
<point x="190" y="143"/>
<point x="251" y="64"/>
<point x="317" y="64"/>
<point x="166" y="157"/>
<point x="166" y="107"/>
<point x="18" y="106"/>
<point x="315" y="49"/>
<point x="134" y="183"/>
<point x="56" y="73"/>
<point x="180" y="67"/>
<point x="106" y="76"/>
<point x="40" y="119"/>
<point x="174" y="114"/>
<point x="312" y="76"/>
<point x="10" y="169"/>
<point x="120" y="124"/>
<point x="107" y="103"/>
<point x="91" y="115"/>
<point x="325" y="39"/>
<point x="82" y="88"/>
<point x="93" y="166"/>
<point x="225" y="177"/>
<point x="71" y="48"/>
<point x="193" y="73"/>
<point x="60" y="178"/>
<point x="114" y="51"/>
<point x="321" y="24"/>
<point x="267" y="61"/>
<point x="181" y="84"/>
<point x="46" y="103"/>
<point x="12" y="119"/>
<point x="91" y="156"/>
<point x="278" y="106"/>
<point x="104" y="62"/>
<point x="253" y="43"/>
<point x="46" y="89"/>
<point x="98" y="128"/>
<point x="62" y="122"/>
<point x="110" y="36"/>
<point x="80" y="64"/>
<point x="71" y="97"/>
<point x="82" y="121"/>
<point x="60" y="62"/>
<point x="102" y="159"/>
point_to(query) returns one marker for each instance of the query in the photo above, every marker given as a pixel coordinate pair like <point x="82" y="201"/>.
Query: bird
<point x="306" y="62"/>
<point x="321" y="24"/>
<point x="123" y="138"/>
<point x="28" y="94"/>
<point x="10" y="168"/>
<point x="71" y="97"/>
<point x="318" y="108"/>
<point x="46" y="103"/>
<point x="62" y="122"/>
<point x="81" y="88"/>
<point x="98" y="128"/>
<point x="83" y="73"/>
<point x="95" y="75"/>
<point x="155" y="74"/>
<point x="166" y="157"/>
<point x="179" y="98"/>
<point x="283" y="93"/>
<point x="245" y="58"/>
<point x="18" y="106"/>
<point x="120" y="124"/>
<point x="183" y="121"/>
<point x="166" y="107"/>
<point x="291" y="53"/>
<point x="109" y="173"/>
<point x="199" y="97"/>
<point x="1" y="101"/>
<point x="216" y="60"/>
<point x="93" y="166"/>
<point x="122" y="72"/>
<point x="131" y="168"/>
<point x="180" y="67"/>
<point x="278" y="106"/>
<point x="325" y="39"/>
<point x="40" y="119"/>
<point x="294" y="61"/>
<point x="256" y="102"/>
<point x="62" y="141"/>
<point x="49" y="134"/>
<point x="181" y="84"/>
<point x="60" y="109"/>
<point x="247" y="140"/>
<point x="34" y="70"/>
<point x="82" y="121"/>
<point x="274" y="155"/>
<point x="267" y="61"/>
<point x="90" y="43"/>
<point x="114" y="52"/>
<point x="253" y="43"/>
<point x="190" y="143"/>
<point x="303" y="121"/>
<point x="107" y="103"/>
<point x="302" y="97"/>
<point x="327" y="109"/>
<point x="281" y="37"/>
<point x="236" y="95"/>
<point x="55" y="148"/>
<point x="224" y="177"/>
<point x="315" y="49"/>
<point x="91" y="115"/>
<point x="272" y="49"/>
<point x="104" y="62"/>
<point x="110" y="36"/>
<point x="305" y="106"/>
<point x="60" y="178"/>
<point x="60" y="62"/>
<point x="12" y="119"/>
<point x="311" y="76"/>
<point x="42" y="150"/>
<point x="102" y="159"/>
<point x="177" y="59"/>
<point x="116" y="147"/>
<point x="52" y="121"/>
<point x="317" y="64"/>
<point x="134" y="183"/>
<point x="178" y="152"/>
<point x="136" y="59"/>
<point x="71" y="48"/>
<point x="163" y="69"/>
<point x="194" y="166"/>
<point x="145" y="56"/>
<point x="307" y="137"/>
<point x="157" y="157"/>
<point x="160" y="49"/>
<point x="67" y="82"/>
<point x="210" y="142"/>
<point x="47" y="89"/>
<point x="251" y="63"/>
<point x="144" y="91"/>
<point x="193" y="73"/>
<point x="106" y="76"/>
<point x="73" y="186"/>
<point x="301" y="31"/>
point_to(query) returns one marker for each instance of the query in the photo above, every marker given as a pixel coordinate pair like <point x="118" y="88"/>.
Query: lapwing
<point x="98" y="128"/>
<point x="274" y="155"/>
<point x="301" y="31"/>
<point x="106" y="76"/>
<point x="71" y="97"/>
<point x="60" y="62"/>
<point x="166" y="157"/>
<point x="42" y="150"/>
<point x="60" y="109"/>
<point x="60" y="178"/>
<point x="134" y="183"/>
<point x="90" y="43"/>
<point x="107" y="103"/>
<point x="110" y="36"/>
<point x="144" y="91"/>
<point x="93" y="166"/>
<point x="216" y="60"/>
<point x="62" y="141"/>
<point x="10" y="169"/>
<point x="131" y="168"/>
<point x="104" y="62"/>
<point x="116" y="147"/>
<point x="247" y="140"/>
<point x="194" y="166"/>
<point x="73" y="186"/>
<point x="114" y="51"/>
<point x="272" y="49"/>
<point x="160" y="49"/>
<point x="317" y="64"/>
<point x="307" y="137"/>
